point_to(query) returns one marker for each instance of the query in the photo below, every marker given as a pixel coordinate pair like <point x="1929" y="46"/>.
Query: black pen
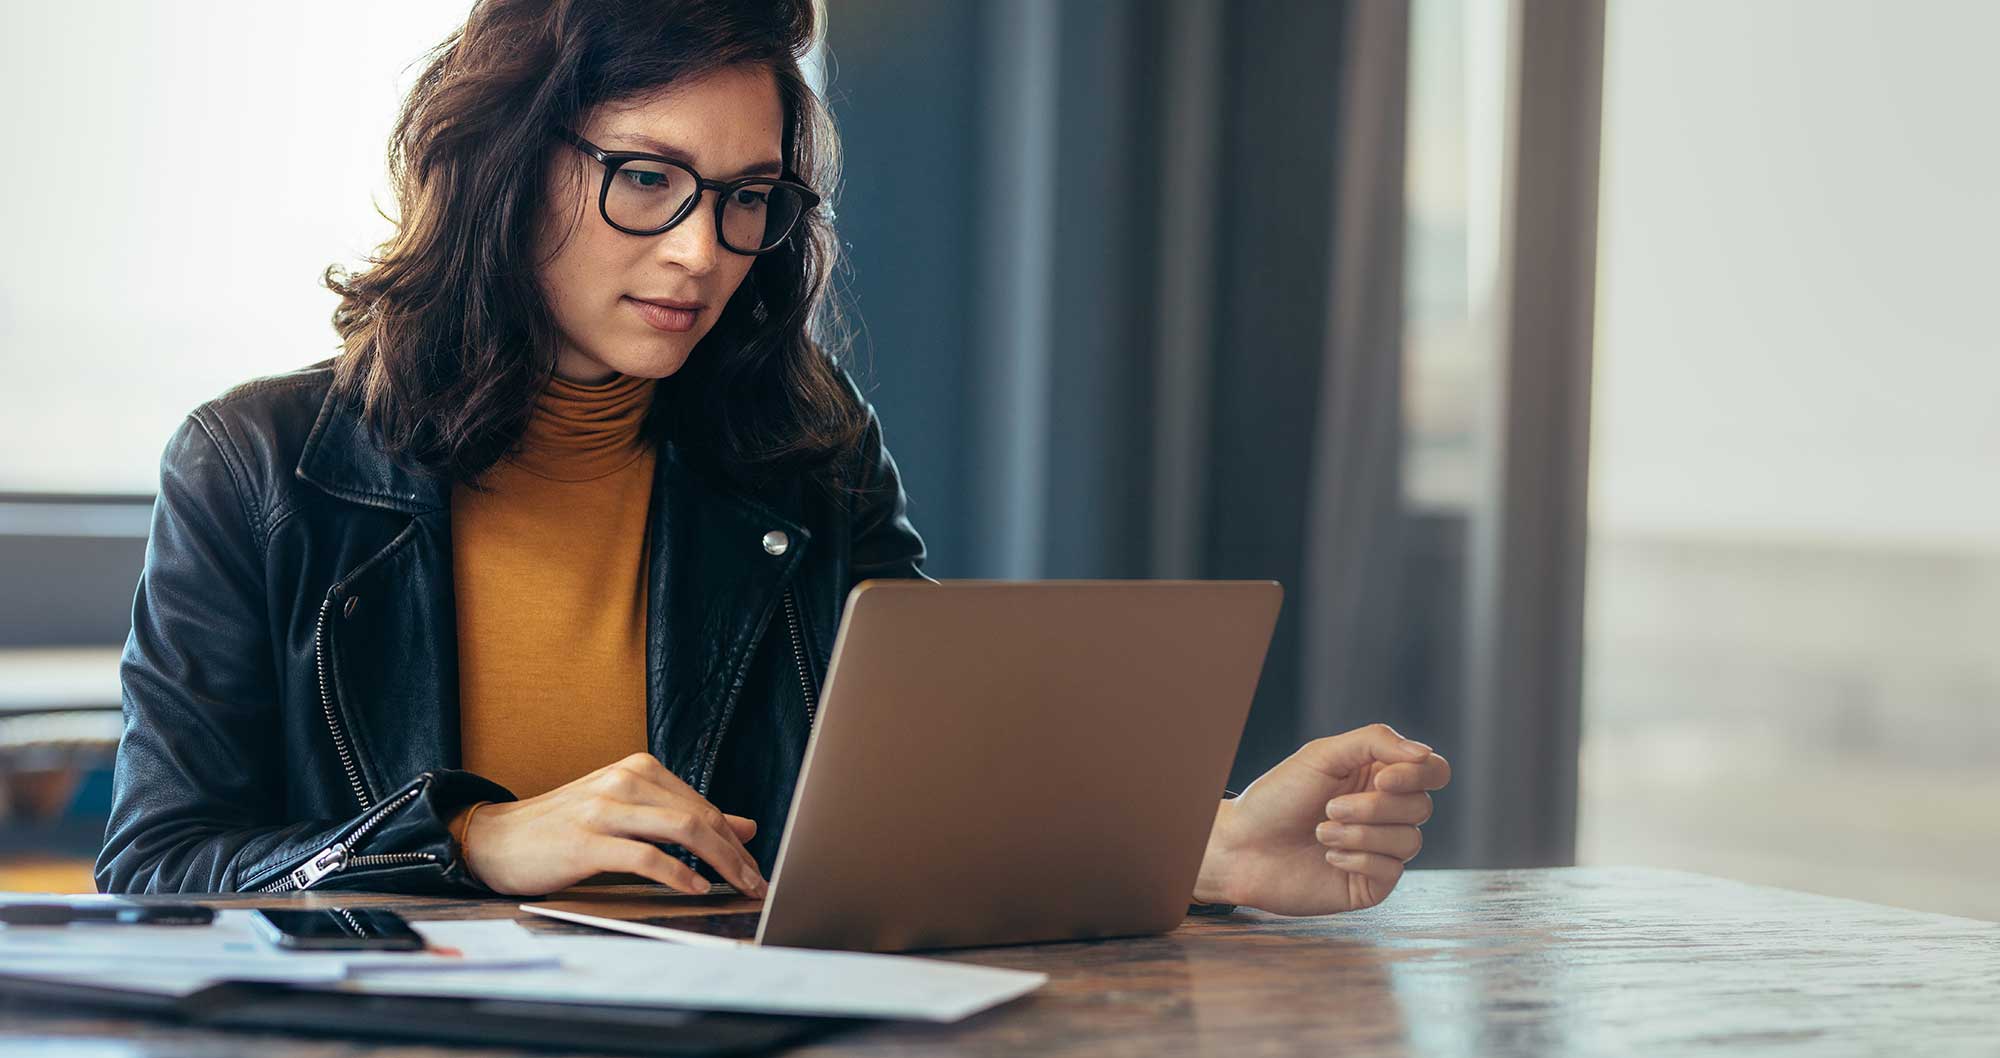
<point x="115" y="914"/>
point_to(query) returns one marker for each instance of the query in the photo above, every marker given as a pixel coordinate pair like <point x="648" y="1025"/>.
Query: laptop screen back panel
<point x="1010" y="762"/>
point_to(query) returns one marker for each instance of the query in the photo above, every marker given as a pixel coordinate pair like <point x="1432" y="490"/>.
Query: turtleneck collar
<point x="580" y="432"/>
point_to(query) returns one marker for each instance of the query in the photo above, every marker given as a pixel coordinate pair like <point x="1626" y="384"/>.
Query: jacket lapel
<point x="390" y="634"/>
<point x="713" y="586"/>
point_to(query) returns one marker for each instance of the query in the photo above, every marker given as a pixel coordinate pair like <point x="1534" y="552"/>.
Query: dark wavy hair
<point x="447" y="336"/>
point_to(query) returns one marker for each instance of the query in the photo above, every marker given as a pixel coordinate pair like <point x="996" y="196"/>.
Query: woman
<point x="540" y="574"/>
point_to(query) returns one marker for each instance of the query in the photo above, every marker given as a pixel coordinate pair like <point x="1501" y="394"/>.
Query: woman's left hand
<point x="1329" y="829"/>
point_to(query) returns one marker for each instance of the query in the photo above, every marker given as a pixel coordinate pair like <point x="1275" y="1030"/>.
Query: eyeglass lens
<point x="644" y="195"/>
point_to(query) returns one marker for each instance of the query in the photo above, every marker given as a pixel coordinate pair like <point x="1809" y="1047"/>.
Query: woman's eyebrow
<point x="668" y="150"/>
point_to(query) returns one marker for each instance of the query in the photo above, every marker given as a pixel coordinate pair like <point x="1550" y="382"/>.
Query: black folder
<point x="306" y="1009"/>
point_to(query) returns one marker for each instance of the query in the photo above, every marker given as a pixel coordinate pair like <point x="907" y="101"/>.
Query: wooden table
<point x="1581" y="961"/>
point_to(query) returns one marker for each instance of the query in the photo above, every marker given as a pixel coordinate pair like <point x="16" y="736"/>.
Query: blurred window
<point x="192" y="171"/>
<point x="183" y="174"/>
<point x="1794" y="587"/>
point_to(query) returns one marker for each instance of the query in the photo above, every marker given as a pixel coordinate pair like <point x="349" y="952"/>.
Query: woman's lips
<point x="662" y="318"/>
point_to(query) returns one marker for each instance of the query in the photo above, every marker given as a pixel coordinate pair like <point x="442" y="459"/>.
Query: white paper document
<point x="761" y="980"/>
<point x="181" y="959"/>
<point x="500" y="958"/>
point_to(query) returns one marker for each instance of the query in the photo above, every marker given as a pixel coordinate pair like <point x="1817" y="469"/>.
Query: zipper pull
<point x="329" y="861"/>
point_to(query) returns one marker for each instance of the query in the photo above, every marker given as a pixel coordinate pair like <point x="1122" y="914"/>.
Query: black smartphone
<point x="337" y="929"/>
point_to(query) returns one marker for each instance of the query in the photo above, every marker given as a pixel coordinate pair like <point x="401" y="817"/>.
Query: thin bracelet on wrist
<point x="465" y="826"/>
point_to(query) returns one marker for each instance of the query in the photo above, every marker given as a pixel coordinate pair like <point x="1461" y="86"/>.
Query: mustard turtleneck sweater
<point x="549" y="568"/>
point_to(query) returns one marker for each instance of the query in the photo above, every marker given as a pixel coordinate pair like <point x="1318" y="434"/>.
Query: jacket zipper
<point x="799" y="659"/>
<point x="335" y="857"/>
<point x="805" y="686"/>
<point x="348" y="766"/>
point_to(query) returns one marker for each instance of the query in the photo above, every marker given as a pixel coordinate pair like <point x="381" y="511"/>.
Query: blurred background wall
<point x="1605" y="380"/>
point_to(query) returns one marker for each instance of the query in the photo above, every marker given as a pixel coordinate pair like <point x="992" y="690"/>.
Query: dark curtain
<point x="1129" y="275"/>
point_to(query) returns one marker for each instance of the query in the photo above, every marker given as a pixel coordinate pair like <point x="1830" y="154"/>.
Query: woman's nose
<point x="692" y="243"/>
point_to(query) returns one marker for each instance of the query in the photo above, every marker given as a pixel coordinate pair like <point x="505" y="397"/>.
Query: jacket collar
<point x="341" y="458"/>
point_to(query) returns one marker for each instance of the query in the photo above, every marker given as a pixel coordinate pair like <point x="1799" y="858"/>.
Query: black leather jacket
<point x="291" y="677"/>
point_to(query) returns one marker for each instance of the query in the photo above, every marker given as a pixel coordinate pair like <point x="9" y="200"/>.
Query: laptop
<point x="1000" y="762"/>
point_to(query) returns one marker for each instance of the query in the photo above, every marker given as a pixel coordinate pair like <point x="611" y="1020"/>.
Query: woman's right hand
<point x="609" y="820"/>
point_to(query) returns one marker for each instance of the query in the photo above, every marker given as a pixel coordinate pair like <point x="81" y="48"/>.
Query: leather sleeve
<point x="885" y="544"/>
<point x="198" y="793"/>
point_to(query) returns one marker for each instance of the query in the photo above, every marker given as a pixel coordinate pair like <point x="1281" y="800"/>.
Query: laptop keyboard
<point x="737" y="925"/>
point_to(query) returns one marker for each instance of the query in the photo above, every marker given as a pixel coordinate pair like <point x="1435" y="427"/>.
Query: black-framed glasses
<point x="645" y="194"/>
